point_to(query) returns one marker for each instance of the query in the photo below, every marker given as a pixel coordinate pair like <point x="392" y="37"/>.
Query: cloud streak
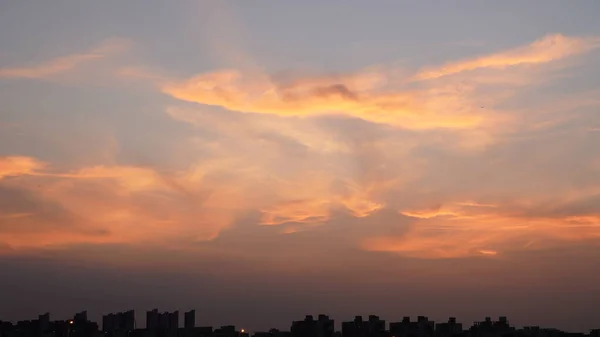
<point x="547" y="49"/>
<point x="465" y="229"/>
<point x="66" y="63"/>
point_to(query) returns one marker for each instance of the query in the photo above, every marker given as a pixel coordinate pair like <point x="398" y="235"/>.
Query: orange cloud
<point x="128" y="204"/>
<point x="65" y="63"/>
<point x="255" y="129"/>
<point x="298" y="196"/>
<point x="457" y="230"/>
<point x="549" y="48"/>
<point x="297" y="211"/>
<point x="457" y="210"/>
<point x="357" y="97"/>
<point x="375" y="94"/>
<point x="133" y="178"/>
<point x="320" y="201"/>
<point x="113" y="204"/>
<point x="15" y="166"/>
<point x="315" y="211"/>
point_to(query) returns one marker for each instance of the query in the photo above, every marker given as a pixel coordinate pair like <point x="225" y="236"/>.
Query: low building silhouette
<point x="423" y="327"/>
<point x="226" y="331"/>
<point x="273" y="333"/>
<point x="309" y="327"/>
<point x="373" y="327"/>
<point x="489" y="328"/>
<point x="166" y="324"/>
<point x="449" y="329"/>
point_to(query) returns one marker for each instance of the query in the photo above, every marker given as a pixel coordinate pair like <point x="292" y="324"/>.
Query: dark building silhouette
<point x="122" y="321"/>
<point x="108" y="322"/>
<point x="373" y="327"/>
<point x="174" y="320"/>
<point x="189" y="319"/>
<point x="166" y="324"/>
<point x="226" y="331"/>
<point x="423" y="327"/>
<point x="449" y="329"/>
<point x="80" y="317"/>
<point x="273" y="333"/>
<point x="80" y="326"/>
<point x="309" y="327"/>
<point x="488" y="328"/>
<point x="167" y="320"/>
<point x="202" y="331"/>
<point x="43" y="324"/>
<point x="152" y="319"/>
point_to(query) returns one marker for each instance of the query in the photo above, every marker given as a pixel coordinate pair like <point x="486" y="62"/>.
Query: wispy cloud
<point x="547" y="49"/>
<point x="66" y="63"/>
<point x="463" y="230"/>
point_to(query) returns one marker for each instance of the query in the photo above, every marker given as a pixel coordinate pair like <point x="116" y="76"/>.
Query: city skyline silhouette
<point x="160" y="324"/>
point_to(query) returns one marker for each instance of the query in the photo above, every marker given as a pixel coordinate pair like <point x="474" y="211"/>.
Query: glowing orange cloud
<point x="65" y="63"/>
<point x="115" y="204"/>
<point x="301" y="197"/>
<point x="372" y="95"/>
<point x="549" y="48"/>
<point x="18" y="165"/>
<point x="128" y="204"/>
<point x="320" y="201"/>
<point x="462" y="230"/>
<point x="298" y="211"/>
<point x="355" y="97"/>
<point x="133" y="178"/>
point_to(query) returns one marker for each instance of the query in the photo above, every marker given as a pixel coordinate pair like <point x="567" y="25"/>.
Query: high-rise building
<point x="163" y="321"/>
<point x="174" y="320"/>
<point x="44" y="323"/>
<point x="108" y="323"/>
<point x="81" y="316"/>
<point x="152" y="319"/>
<point x="122" y="321"/>
<point x="127" y="319"/>
<point x="189" y="319"/>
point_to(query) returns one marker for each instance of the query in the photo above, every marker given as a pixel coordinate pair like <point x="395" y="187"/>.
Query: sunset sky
<point x="263" y="160"/>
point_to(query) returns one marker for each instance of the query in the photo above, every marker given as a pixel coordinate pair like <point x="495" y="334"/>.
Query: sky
<point x="263" y="160"/>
